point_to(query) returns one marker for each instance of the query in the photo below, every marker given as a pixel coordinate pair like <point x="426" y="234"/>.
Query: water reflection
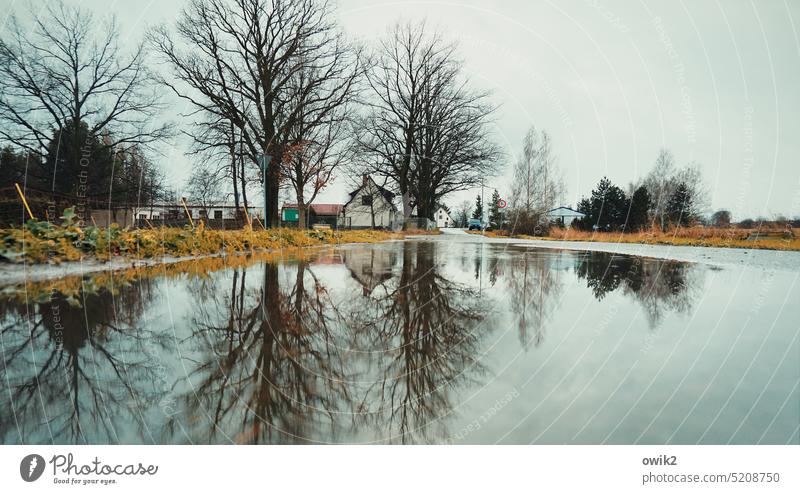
<point x="79" y="366"/>
<point x="420" y="335"/>
<point x="270" y="369"/>
<point x="383" y="343"/>
<point x="659" y="286"/>
<point x="535" y="285"/>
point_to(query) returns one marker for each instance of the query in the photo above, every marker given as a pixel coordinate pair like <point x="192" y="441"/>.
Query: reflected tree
<point x="660" y="286"/>
<point x="534" y="288"/>
<point x="78" y="365"/>
<point x="272" y="370"/>
<point x="421" y="335"/>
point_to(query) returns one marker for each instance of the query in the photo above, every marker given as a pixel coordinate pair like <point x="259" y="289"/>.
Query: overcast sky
<point x="716" y="82"/>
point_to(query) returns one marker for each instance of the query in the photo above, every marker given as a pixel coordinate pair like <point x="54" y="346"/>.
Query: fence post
<point x="247" y="217"/>
<point x="22" y="196"/>
<point x="185" y="208"/>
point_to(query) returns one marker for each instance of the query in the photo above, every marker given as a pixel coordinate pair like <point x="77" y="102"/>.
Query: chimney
<point x="365" y="179"/>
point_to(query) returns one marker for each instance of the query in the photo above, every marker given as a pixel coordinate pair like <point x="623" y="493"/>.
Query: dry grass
<point x="71" y="286"/>
<point x="42" y="242"/>
<point x="691" y="236"/>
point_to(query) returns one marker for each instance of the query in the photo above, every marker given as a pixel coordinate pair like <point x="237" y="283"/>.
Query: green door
<point x="290" y="215"/>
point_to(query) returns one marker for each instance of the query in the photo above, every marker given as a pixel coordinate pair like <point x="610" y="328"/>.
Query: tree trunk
<point x="301" y="215"/>
<point x="273" y="188"/>
<point x="243" y="184"/>
<point x="425" y="205"/>
<point x="406" y="208"/>
<point x="238" y="214"/>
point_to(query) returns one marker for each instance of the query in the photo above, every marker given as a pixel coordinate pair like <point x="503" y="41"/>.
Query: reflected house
<point x="370" y="267"/>
<point x="330" y="258"/>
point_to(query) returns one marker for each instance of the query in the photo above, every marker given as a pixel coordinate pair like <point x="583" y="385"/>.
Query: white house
<point x="370" y="206"/>
<point x="565" y="215"/>
<point x="214" y="211"/>
<point x="443" y="219"/>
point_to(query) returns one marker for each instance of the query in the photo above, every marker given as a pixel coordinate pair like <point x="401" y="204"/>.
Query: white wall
<point x="567" y="219"/>
<point x="359" y="216"/>
<point x="227" y="213"/>
<point x="445" y="221"/>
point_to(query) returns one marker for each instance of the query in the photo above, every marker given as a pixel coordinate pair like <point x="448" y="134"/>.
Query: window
<point x="142" y="216"/>
<point x="366" y="200"/>
<point x="218" y="214"/>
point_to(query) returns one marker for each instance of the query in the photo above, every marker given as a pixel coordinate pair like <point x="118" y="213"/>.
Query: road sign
<point x="502" y="204"/>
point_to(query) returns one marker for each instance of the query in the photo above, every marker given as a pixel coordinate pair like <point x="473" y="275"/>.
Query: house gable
<point x="565" y="211"/>
<point x="382" y="198"/>
<point x="370" y="205"/>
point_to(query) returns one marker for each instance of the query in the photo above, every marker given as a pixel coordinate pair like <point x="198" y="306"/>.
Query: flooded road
<point x="422" y="341"/>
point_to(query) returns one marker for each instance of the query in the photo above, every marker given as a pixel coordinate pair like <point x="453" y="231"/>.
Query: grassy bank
<point x="72" y="286"/>
<point x="43" y="242"/>
<point x="696" y="237"/>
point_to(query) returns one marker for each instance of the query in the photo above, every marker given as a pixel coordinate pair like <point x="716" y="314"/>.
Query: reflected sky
<point x="407" y="342"/>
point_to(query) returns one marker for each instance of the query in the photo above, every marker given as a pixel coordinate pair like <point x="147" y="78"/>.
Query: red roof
<point x="320" y="209"/>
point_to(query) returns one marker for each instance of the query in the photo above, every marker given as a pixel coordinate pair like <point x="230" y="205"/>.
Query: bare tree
<point x="64" y="69"/>
<point x="238" y="60"/>
<point x="135" y="181"/>
<point x="660" y="183"/>
<point x="462" y="213"/>
<point x="453" y="148"/>
<point x="424" y="130"/>
<point x="319" y="142"/>
<point x="203" y="186"/>
<point x="692" y="177"/>
<point x="538" y="185"/>
<point x="664" y="179"/>
<point x="217" y="142"/>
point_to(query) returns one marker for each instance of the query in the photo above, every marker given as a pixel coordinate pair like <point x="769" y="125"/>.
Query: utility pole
<point x="483" y="208"/>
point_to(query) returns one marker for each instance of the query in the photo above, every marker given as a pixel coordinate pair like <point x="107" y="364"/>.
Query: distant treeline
<point x="666" y="198"/>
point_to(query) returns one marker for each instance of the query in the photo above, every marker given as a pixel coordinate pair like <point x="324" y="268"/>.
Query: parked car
<point x="475" y="224"/>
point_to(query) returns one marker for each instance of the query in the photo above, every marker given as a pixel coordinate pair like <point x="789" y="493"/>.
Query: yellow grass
<point x="72" y="286"/>
<point x="689" y="236"/>
<point x="41" y="242"/>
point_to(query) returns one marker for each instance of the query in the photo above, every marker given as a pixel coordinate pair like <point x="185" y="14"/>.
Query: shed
<point x="327" y="214"/>
<point x="565" y="215"/>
